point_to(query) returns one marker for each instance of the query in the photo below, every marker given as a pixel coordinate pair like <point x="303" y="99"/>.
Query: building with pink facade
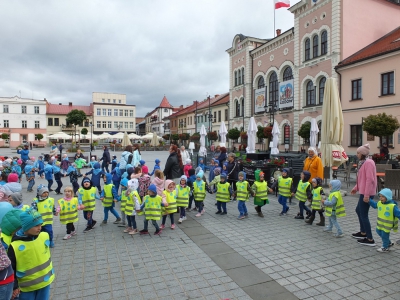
<point x="283" y="78"/>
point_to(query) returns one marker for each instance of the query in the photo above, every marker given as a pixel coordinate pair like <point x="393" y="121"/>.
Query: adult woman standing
<point x="222" y="156"/>
<point x="173" y="167"/>
<point x="217" y="152"/>
<point x="313" y="164"/>
<point x="136" y="155"/>
<point x="366" y="186"/>
<point x="106" y="159"/>
<point x="232" y="171"/>
<point x="126" y="158"/>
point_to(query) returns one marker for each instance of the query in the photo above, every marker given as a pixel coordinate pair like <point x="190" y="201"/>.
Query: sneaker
<point x="287" y="209"/>
<point x="127" y="229"/>
<point x="180" y="221"/>
<point x="51" y="244"/>
<point x="173" y="226"/>
<point x="144" y="231"/>
<point x="184" y="218"/>
<point x="132" y="232"/>
<point x="158" y="232"/>
<point x="383" y="250"/>
<point x="366" y="242"/>
<point x="198" y="215"/>
<point x="75" y="233"/>
<point x="87" y="229"/>
<point x="358" y="236"/>
<point x="162" y="226"/>
<point x="282" y="214"/>
<point x="299" y="217"/>
<point x="117" y="221"/>
<point x="327" y="230"/>
<point x="94" y="222"/>
<point x="241" y="217"/>
<point x="103" y="223"/>
<point x="50" y="190"/>
<point x="391" y="245"/>
<point x="218" y="212"/>
<point x="203" y="211"/>
<point x="337" y="235"/>
<point x="223" y="213"/>
<point x="67" y="237"/>
<point x="122" y="225"/>
<point x="246" y="215"/>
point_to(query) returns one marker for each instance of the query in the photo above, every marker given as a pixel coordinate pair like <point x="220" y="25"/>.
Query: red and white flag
<point x="282" y="3"/>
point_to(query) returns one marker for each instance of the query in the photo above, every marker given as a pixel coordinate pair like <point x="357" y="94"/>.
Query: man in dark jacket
<point x="173" y="166"/>
<point x="106" y="159"/>
<point x="232" y="170"/>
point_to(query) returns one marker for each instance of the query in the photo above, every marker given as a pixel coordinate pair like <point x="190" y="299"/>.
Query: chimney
<point x="70" y="103"/>
<point x="44" y="99"/>
<point x="217" y="95"/>
<point x="278" y="32"/>
<point x="59" y="103"/>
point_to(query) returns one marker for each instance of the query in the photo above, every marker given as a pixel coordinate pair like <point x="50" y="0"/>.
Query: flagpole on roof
<point x="274" y="17"/>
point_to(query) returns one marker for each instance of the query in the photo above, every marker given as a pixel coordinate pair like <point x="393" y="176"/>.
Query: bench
<point x="39" y="145"/>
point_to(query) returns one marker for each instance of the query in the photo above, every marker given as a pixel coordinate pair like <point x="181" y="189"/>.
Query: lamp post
<point x="91" y="140"/>
<point x="209" y="119"/>
<point x="227" y="104"/>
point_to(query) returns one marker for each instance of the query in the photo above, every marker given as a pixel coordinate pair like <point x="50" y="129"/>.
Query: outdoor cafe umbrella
<point x="59" y="135"/>
<point x="203" y="133"/>
<point x="118" y="136"/>
<point x="222" y="134"/>
<point x="313" y="133"/>
<point x="275" y="138"/>
<point x="251" y="136"/>
<point x="104" y="136"/>
<point x="134" y="136"/>
<point x="154" y="140"/>
<point x="332" y="152"/>
<point x="125" y="140"/>
<point x="148" y="136"/>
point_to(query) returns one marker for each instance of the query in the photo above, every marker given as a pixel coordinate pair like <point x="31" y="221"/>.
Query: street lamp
<point x="91" y="140"/>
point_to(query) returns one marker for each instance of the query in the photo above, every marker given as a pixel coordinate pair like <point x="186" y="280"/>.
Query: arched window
<point x="261" y="83"/>
<point x="321" y="89"/>
<point x="242" y="107"/>
<point x="242" y="75"/>
<point x="307" y="49"/>
<point x="315" y="46"/>
<point x="310" y="94"/>
<point x="273" y="89"/>
<point x="237" y="108"/>
<point x="239" y="77"/>
<point x="287" y="74"/>
<point x="324" y="42"/>
<point x="236" y="79"/>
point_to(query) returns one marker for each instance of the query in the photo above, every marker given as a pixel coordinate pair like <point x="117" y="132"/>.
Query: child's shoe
<point x="74" y="233"/>
<point x="241" y="217"/>
<point x="94" y="222"/>
<point x="103" y="223"/>
<point x="184" y="218"/>
<point x="127" y="229"/>
<point x="122" y="224"/>
<point x="67" y="237"/>
<point x="328" y="229"/>
<point x="87" y="229"/>
<point x="337" y="235"/>
<point x="299" y="217"/>
<point x="173" y="226"/>
<point x="198" y="215"/>
<point x="117" y="221"/>
<point x="246" y="215"/>
<point x="383" y="250"/>
<point x="51" y="244"/>
<point x="203" y="211"/>
<point x="162" y="226"/>
<point x="223" y="213"/>
<point x="133" y="231"/>
<point x="218" y="212"/>
<point x="188" y="209"/>
<point x="180" y="221"/>
<point x="144" y="231"/>
<point x="158" y="232"/>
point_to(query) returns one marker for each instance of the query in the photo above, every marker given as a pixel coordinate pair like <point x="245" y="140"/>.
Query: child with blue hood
<point x="48" y="175"/>
<point x="156" y="167"/>
<point x="388" y="217"/>
<point x="57" y="176"/>
<point x="73" y="177"/>
<point x="114" y="162"/>
<point x="128" y="171"/>
<point x="199" y="192"/>
<point x="30" y="175"/>
<point x="191" y="179"/>
<point x="303" y="193"/>
<point x="201" y="164"/>
<point x="116" y="177"/>
<point x="87" y="195"/>
<point x="334" y="207"/>
<point x="16" y="168"/>
<point x="211" y="168"/>
<point x="109" y="196"/>
<point x="285" y="188"/>
<point x="39" y="166"/>
<point x="97" y="174"/>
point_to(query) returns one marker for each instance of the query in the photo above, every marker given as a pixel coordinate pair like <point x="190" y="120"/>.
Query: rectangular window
<point x="219" y="116"/>
<point x="98" y="125"/>
<point x="125" y="125"/>
<point x="99" y="112"/>
<point x="110" y="124"/>
<point x="36" y="109"/>
<point x="121" y="112"/>
<point x="126" y="113"/>
<point x="6" y="124"/>
<point x="355" y="135"/>
<point x="56" y="122"/>
<point x="114" y="101"/>
<point x="388" y="140"/>
<point x="24" y="124"/>
<point x="387" y="84"/>
<point x="226" y="115"/>
<point x="104" y="112"/>
<point x="119" y="101"/>
<point x="23" y="109"/>
<point x="215" y="117"/>
<point x="37" y="124"/>
<point x="49" y="121"/>
<point x="356" y="87"/>
<point x="103" y="100"/>
<point x="24" y="138"/>
<point x="104" y="124"/>
<point x="121" y="125"/>
<point x="108" y="100"/>
<point x="109" y="112"/>
<point x="115" y="124"/>
<point x="5" y="108"/>
<point x="131" y="113"/>
<point x="115" y="112"/>
<point x="130" y="125"/>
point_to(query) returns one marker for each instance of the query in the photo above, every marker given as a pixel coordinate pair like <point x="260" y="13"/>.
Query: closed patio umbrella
<point x="313" y="133"/>
<point x="125" y="140"/>
<point x="203" y="133"/>
<point x="251" y="136"/>
<point x="154" y="140"/>
<point x="275" y="138"/>
<point x="222" y="134"/>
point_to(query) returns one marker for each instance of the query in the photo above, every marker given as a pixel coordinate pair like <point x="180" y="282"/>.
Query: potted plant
<point x="212" y="136"/>
<point x="304" y="131"/>
<point x="195" y="137"/>
<point x="184" y="136"/>
<point x="233" y="134"/>
<point x="380" y="124"/>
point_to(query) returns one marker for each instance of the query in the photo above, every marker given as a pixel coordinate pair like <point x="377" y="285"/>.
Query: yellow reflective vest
<point x="124" y="198"/>
<point x="316" y="200"/>
<point x="130" y="202"/>
<point x="6" y="238"/>
<point x="171" y="200"/>
<point x="199" y="192"/>
<point x="152" y="207"/>
<point x="88" y="198"/>
<point x="301" y="193"/>
<point x="108" y="195"/>
<point x="182" y="198"/>
<point x="386" y="220"/>
<point x="261" y="190"/>
<point x="338" y="208"/>
<point x="45" y="208"/>
<point x="284" y="185"/>
<point x="34" y="268"/>
<point x="223" y="194"/>
<point x="242" y="193"/>
<point x="68" y="210"/>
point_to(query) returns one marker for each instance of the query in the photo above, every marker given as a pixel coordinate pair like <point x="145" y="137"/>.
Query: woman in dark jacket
<point x="232" y="171"/>
<point x="222" y="157"/>
<point x="173" y="167"/>
<point x="106" y="159"/>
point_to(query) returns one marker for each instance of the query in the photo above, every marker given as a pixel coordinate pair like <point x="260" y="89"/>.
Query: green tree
<point x="175" y="136"/>
<point x="5" y="136"/>
<point x="76" y="117"/>
<point x="84" y="131"/>
<point x="304" y="130"/>
<point x="380" y="124"/>
<point x="39" y="136"/>
<point x="260" y="132"/>
<point x="233" y="134"/>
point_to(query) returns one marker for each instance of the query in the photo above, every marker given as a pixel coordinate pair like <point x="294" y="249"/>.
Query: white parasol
<point x="154" y="140"/>
<point x="104" y="136"/>
<point x="275" y="138"/>
<point x="222" y="134"/>
<point x="314" y="133"/>
<point x="203" y="133"/>
<point x="118" y="136"/>
<point x="59" y="135"/>
<point x="251" y="136"/>
<point x="125" y="140"/>
<point x="134" y="136"/>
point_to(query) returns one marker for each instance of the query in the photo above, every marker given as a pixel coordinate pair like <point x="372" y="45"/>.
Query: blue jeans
<point x="385" y="238"/>
<point x="42" y="294"/>
<point x="302" y="206"/>
<point x="31" y="183"/>
<point x="131" y="221"/>
<point x="111" y="210"/>
<point x="221" y="205"/>
<point x="49" y="184"/>
<point x="59" y="186"/>
<point x="282" y="201"/>
<point x="164" y="218"/>
<point x="199" y="205"/>
<point x="49" y="229"/>
<point x="333" y="222"/>
<point x="182" y="212"/>
<point x="362" y="210"/>
<point x="88" y="215"/>
<point x="191" y="198"/>
<point x="146" y="224"/>
<point x="6" y="291"/>
<point x="242" y="208"/>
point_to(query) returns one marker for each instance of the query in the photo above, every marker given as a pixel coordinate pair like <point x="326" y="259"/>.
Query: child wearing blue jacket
<point x="211" y="168"/>
<point x="109" y="196"/>
<point x="39" y="166"/>
<point x="156" y="167"/>
<point x="73" y="178"/>
<point x="201" y="164"/>
<point x="114" y="162"/>
<point x="190" y="181"/>
<point x="48" y="175"/>
<point x="16" y="167"/>
<point x="30" y="176"/>
<point x="388" y="217"/>
<point x="116" y="177"/>
<point x="97" y="174"/>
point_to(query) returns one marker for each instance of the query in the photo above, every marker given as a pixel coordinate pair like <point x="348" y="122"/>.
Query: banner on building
<point x="286" y="94"/>
<point x="259" y="100"/>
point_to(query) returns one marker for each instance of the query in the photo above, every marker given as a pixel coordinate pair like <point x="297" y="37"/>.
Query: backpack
<point x="130" y="157"/>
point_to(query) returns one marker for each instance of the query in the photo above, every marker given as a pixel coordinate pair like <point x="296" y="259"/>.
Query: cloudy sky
<point x="65" y="50"/>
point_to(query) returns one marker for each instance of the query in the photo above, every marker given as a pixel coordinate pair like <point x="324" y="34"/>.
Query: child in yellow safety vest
<point x="16" y="201"/>
<point x="285" y="188"/>
<point x="130" y="203"/>
<point x="260" y="189"/>
<point x="170" y="207"/>
<point x="224" y="193"/>
<point x="68" y="207"/>
<point x="182" y="198"/>
<point x="45" y="206"/>
<point x="242" y="193"/>
<point x="388" y="217"/>
<point x="303" y="192"/>
<point x="334" y="207"/>
<point x="317" y="193"/>
<point x="30" y="257"/>
<point x="108" y="197"/>
<point x="87" y="194"/>
<point x="199" y="192"/>
<point x="151" y="206"/>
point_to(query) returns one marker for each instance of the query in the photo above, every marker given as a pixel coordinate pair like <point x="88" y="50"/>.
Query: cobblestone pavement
<point x="220" y="257"/>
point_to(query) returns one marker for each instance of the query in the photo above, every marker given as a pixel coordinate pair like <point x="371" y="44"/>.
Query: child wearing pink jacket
<point x="187" y="167"/>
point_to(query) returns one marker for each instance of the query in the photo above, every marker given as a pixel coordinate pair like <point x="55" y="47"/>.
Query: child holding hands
<point x="68" y="210"/>
<point x="334" y="207"/>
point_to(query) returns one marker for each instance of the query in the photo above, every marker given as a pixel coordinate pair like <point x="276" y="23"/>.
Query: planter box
<point x="258" y="155"/>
